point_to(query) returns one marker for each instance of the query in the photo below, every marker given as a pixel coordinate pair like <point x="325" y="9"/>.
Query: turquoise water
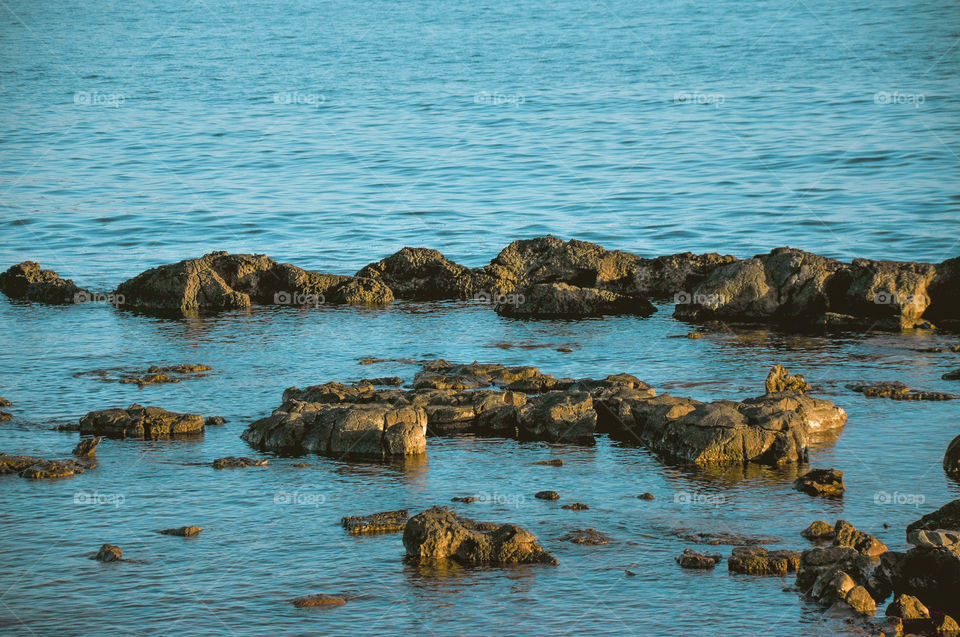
<point x="332" y="134"/>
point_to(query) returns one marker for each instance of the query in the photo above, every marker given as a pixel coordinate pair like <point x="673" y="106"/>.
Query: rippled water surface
<point x="329" y="135"/>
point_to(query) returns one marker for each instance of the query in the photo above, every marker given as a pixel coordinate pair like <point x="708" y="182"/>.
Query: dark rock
<point x="422" y="274"/>
<point x="847" y="535"/>
<point x="182" y="531"/>
<point x="646" y="496"/>
<point x="385" y="522"/>
<point x="897" y="391"/>
<point x="931" y="574"/>
<point x="559" y="300"/>
<point x="109" y="553"/>
<point x="4" y="402"/>
<point x="946" y="517"/>
<point x="5" y="416"/>
<point x="140" y="422"/>
<point x="28" y="282"/>
<point x="575" y="506"/>
<point x="943" y="625"/>
<point x="944" y="299"/>
<point x="951" y="459"/>
<point x="758" y="560"/>
<point x="825" y="483"/>
<point x="692" y="559"/>
<point x="716" y="538"/>
<point x="954" y="375"/>
<point x="819" y="530"/>
<point x="465" y="499"/>
<point x="780" y="380"/>
<point x="822" y="564"/>
<point x="547" y="495"/>
<point x="556" y="462"/>
<point x="589" y="537"/>
<point x="87" y="447"/>
<point x="214" y="421"/>
<point x="907" y="607"/>
<point x="311" y="601"/>
<point x="440" y="534"/>
<point x="233" y="462"/>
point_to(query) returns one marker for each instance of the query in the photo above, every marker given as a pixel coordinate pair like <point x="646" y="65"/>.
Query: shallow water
<point x="653" y="128"/>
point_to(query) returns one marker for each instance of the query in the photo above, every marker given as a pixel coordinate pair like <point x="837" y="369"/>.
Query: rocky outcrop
<point x="385" y="522"/>
<point x="140" y="422"/>
<point x="422" y="274"/>
<point x="951" y="459"/>
<point x="848" y="536"/>
<point x="221" y="281"/>
<point x="792" y="286"/>
<point x="560" y="300"/>
<point x="907" y="607"/>
<point x="780" y="380"/>
<point x="28" y="282"/>
<point x="758" y="560"/>
<point x="825" y="483"/>
<point x="376" y="430"/>
<point x="946" y="517"/>
<point x="16" y="464"/>
<point x="930" y="571"/>
<point x="440" y="534"/>
<point x="896" y="390"/>
<point x="559" y="417"/>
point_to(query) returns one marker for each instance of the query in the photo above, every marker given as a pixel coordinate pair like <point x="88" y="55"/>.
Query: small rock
<point x="576" y="506"/>
<point x="109" y="553"/>
<point x="547" y="495"/>
<point x="951" y="459"/>
<point x="301" y="465"/>
<point x="694" y="335"/>
<point x="780" y="380"/>
<point x="826" y="483"/>
<point x="646" y="496"/>
<point x="87" y="447"/>
<point x="692" y="559"/>
<point x="5" y="416"/>
<point x="954" y="375"/>
<point x="465" y="499"/>
<point x="384" y="522"/>
<point x="233" y="462"/>
<point x="847" y="535"/>
<point x="49" y="469"/>
<point x="907" y="607"/>
<point x="182" y="531"/>
<point x="556" y="462"/>
<point x="318" y="600"/>
<point x="630" y="573"/>
<point x="819" y="530"/>
<point x="589" y="537"/>
<point x="214" y="421"/>
<point x="860" y="600"/>
<point x="4" y="402"/>
<point x="757" y="560"/>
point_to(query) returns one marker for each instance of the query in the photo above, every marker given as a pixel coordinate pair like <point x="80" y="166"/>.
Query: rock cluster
<point x="36" y="468"/>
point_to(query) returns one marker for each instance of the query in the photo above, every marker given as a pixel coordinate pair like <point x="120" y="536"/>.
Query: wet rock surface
<point x="780" y="380"/>
<point x="182" y="531"/>
<point x="440" y="534"/>
<point x="50" y="469"/>
<point x="27" y="281"/>
<point x="896" y="390"/>
<point x="694" y="560"/>
<point x="560" y="300"/>
<point x="318" y="600"/>
<point x="384" y="522"/>
<point x="109" y="553"/>
<point x="140" y="422"/>
<point x="758" y="560"/>
<point x="233" y="462"/>
<point x="547" y="495"/>
<point x="588" y="537"/>
<point x="87" y="447"/>
<point x="824" y="483"/>
<point x="422" y="274"/>
<point x="819" y="530"/>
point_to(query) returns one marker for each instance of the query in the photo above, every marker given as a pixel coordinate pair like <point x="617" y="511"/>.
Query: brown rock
<point x="49" y="469"/>
<point x="559" y="300"/>
<point x="819" y="530"/>
<point x="140" y="422"/>
<point x="859" y="600"/>
<point x="547" y="495"/>
<point x="559" y="417"/>
<point x="385" y="522"/>
<point x="233" y="462"/>
<point x="87" y="447"/>
<point x="907" y="607"/>
<point x="825" y="483"/>
<point x="422" y="274"/>
<point x="780" y="380"/>
<point x="951" y="459"/>
<point x="847" y="535"/>
<point x="575" y="506"/>
<point x="109" y="553"/>
<point x="589" y="537"/>
<point x="27" y="281"/>
<point x="692" y="559"/>
<point x="556" y="462"/>
<point x="311" y="601"/>
<point x="757" y="560"/>
<point x="182" y="531"/>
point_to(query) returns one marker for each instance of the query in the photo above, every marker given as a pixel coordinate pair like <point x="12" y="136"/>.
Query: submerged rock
<point x="319" y="599"/>
<point x="758" y="560"/>
<point x="556" y="462"/>
<point x="560" y="300"/>
<point x="547" y="495"/>
<point x="16" y="464"/>
<point x="440" y="534"/>
<point x="692" y="559"/>
<point x="140" y="422"/>
<point x="27" y="281"/>
<point x="233" y="462"/>
<point x="825" y="483"/>
<point x="385" y="522"/>
<point x="49" y="469"/>
<point x="575" y="506"/>
<point x="897" y="391"/>
<point x="87" y="447"/>
<point x="182" y="531"/>
<point x="589" y="537"/>
<point x="109" y="553"/>
<point x="220" y="281"/>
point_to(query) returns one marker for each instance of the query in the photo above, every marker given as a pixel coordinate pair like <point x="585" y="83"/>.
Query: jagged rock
<point x="319" y="599"/>
<point x="757" y="560"/>
<point x="16" y="464"/>
<point x="28" y="282"/>
<point x="825" y="483"/>
<point x="385" y="522"/>
<point x="547" y="495"/>
<point x="815" y="563"/>
<point x="780" y="380"/>
<point x="946" y="517"/>
<point x="589" y="537"/>
<point x="87" y="447"/>
<point x="140" y="422"/>
<point x="219" y="281"/>
<point x="897" y="391"/>
<point x="440" y="534"/>
<point x="907" y="607"/>
<point x="109" y="553"/>
<point x="847" y="535"/>
<point x="673" y="275"/>
<point x="363" y="429"/>
<point x="233" y="462"/>
<point x="5" y="416"/>
<point x="560" y="300"/>
<point x="422" y="274"/>
<point x="692" y="559"/>
<point x="951" y="459"/>
<point x="4" y="402"/>
<point x="182" y="531"/>
<point x="819" y="530"/>
<point x="559" y="417"/>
